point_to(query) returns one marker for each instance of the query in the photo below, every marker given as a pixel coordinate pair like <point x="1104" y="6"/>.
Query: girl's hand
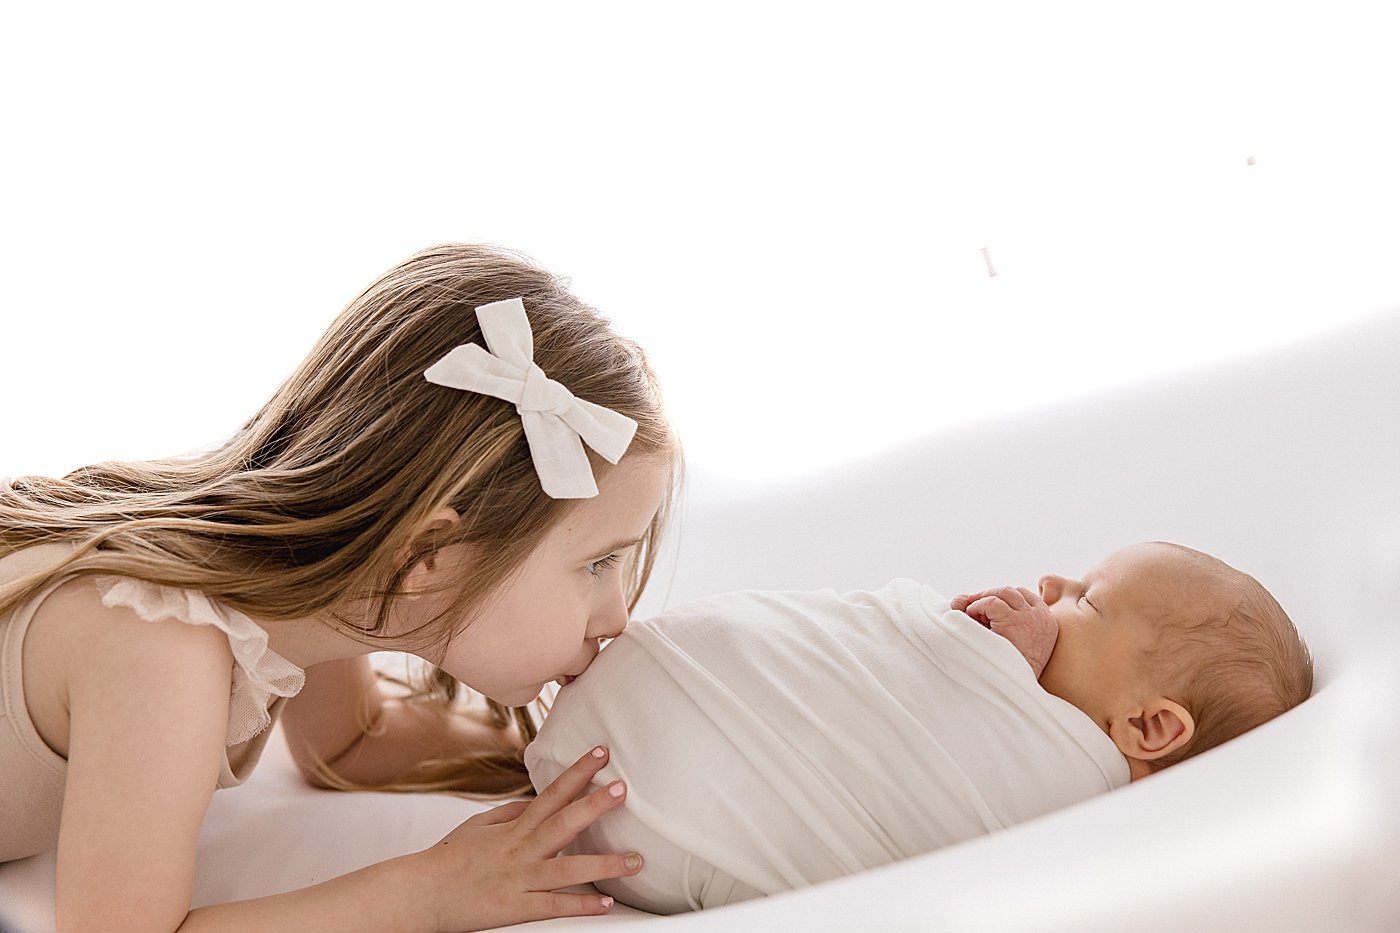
<point x="1020" y="616"/>
<point x="503" y="866"/>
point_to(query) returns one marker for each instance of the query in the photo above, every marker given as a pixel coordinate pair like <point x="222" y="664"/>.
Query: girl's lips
<point x="564" y="680"/>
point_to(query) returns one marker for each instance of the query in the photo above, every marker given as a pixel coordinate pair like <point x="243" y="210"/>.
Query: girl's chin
<point x="519" y="698"/>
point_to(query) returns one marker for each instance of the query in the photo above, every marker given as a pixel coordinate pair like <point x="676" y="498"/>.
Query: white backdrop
<point x="787" y="204"/>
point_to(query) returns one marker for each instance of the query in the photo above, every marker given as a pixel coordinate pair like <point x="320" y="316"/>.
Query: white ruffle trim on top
<point x="258" y="672"/>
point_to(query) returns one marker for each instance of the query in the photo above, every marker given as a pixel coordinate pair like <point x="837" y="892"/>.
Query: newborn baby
<point x="774" y="740"/>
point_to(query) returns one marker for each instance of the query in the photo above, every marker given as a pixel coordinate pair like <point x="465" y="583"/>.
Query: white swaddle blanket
<point x="772" y="740"/>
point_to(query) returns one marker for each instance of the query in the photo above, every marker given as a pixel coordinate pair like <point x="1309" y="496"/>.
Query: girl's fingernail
<point x="616" y="789"/>
<point x="632" y="862"/>
<point x="599" y="752"/>
<point x="606" y="902"/>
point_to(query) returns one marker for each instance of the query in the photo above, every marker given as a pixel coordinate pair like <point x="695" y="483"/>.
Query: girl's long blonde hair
<point x="309" y="506"/>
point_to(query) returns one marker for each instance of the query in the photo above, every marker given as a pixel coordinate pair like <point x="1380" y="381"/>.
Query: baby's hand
<point x="1017" y="614"/>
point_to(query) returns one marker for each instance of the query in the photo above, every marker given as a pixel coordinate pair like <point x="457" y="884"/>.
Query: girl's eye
<point x="603" y="563"/>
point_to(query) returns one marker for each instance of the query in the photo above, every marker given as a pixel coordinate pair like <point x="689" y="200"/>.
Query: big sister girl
<point x="469" y="466"/>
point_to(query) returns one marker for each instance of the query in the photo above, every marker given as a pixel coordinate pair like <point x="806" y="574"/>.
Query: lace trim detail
<point x="258" y="672"/>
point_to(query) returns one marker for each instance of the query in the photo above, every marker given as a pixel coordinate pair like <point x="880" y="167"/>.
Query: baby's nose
<point x="1051" y="588"/>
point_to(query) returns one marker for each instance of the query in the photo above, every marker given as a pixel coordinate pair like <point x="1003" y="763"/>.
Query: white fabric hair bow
<point x="557" y="424"/>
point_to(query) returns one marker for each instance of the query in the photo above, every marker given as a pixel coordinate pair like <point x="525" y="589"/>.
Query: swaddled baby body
<point x="773" y="740"/>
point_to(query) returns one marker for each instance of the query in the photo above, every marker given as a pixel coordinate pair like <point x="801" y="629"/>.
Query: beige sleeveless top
<point x="32" y="774"/>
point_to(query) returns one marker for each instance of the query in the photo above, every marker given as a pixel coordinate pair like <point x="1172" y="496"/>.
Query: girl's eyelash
<point x="603" y="563"/>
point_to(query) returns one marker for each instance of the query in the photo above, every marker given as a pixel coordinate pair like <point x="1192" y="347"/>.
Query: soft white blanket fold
<point x="773" y="740"/>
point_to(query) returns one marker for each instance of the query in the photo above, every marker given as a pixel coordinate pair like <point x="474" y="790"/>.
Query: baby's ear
<point x="1158" y="728"/>
<point x="418" y="580"/>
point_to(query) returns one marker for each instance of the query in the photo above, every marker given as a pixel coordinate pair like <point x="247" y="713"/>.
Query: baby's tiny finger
<point x="981" y="610"/>
<point x="967" y="599"/>
<point x="1013" y="596"/>
<point x="1031" y="596"/>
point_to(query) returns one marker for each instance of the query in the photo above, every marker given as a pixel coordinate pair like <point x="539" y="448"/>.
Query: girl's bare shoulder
<point x="78" y="644"/>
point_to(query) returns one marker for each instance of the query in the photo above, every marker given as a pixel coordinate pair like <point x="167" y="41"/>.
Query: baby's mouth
<point x="564" y="680"/>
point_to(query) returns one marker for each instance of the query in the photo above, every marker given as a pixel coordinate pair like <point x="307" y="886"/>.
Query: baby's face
<point x="1108" y="620"/>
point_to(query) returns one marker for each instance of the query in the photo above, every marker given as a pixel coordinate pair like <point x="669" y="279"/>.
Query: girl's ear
<point x="420" y="576"/>
<point x="1159" y="728"/>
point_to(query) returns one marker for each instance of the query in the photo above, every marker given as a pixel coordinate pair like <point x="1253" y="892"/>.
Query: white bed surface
<point x="1286" y="465"/>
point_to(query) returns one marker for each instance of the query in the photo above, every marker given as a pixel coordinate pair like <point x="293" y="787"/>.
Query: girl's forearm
<point x="390" y="895"/>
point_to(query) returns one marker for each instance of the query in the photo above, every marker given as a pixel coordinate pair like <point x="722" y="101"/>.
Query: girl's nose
<point x="610" y="617"/>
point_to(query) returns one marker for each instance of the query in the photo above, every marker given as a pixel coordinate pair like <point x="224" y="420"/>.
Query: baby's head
<point x="1172" y="652"/>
